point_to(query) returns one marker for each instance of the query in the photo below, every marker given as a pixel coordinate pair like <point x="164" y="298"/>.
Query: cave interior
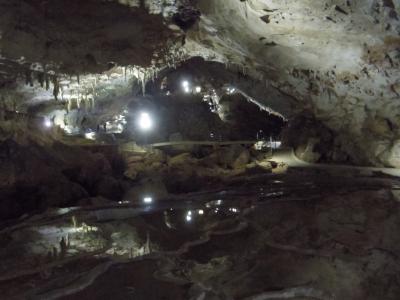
<point x="200" y="149"/>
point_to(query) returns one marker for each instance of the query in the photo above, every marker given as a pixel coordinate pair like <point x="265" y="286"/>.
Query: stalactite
<point x="62" y="93"/>
<point x="63" y="247"/>
<point x="40" y="77"/>
<point x="78" y="99"/>
<point x="47" y="79"/>
<point x="78" y="79"/>
<point x="55" y="254"/>
<point x="69" y="105"/>
<point x="56" y="88"/>
<point x="85" y="101"/>
<point x="143" y="85"/>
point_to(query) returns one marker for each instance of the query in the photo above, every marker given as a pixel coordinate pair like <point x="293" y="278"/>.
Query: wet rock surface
<point x="299" y="233"/>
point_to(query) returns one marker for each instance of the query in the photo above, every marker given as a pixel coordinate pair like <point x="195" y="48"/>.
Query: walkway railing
<point x="202" y="143"/>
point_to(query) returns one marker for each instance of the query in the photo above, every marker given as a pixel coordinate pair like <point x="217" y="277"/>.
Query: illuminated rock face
<point x="336" y="60"/>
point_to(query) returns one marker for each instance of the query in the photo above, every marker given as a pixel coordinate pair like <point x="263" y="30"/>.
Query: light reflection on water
<point x="191" y="209"/>
<point x="172" y="222"/>
<point x="190" y="218"/>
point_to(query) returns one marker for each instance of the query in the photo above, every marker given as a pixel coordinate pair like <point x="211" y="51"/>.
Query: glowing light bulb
<point x="198" y="89"/>
<point x="201" y="212"/>
<point x="147" y="200"/>
<point x="47" y="123"/>
<point x="145" y="122"/>
<point x="186" y="86"/>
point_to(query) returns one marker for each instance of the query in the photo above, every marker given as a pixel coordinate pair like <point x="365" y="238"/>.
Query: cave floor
<point x="303" y="234"/>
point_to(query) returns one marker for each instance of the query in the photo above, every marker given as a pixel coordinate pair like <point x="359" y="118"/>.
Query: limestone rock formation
<point x="338" y="60"/>
<point x="335" y="60"/>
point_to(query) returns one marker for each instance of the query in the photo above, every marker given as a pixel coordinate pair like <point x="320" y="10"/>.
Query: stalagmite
<point x="63" y="247"/>
<point x="28" y="77"/>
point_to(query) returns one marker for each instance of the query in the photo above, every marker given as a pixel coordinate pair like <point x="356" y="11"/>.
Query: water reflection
<point x="214" y="203"/>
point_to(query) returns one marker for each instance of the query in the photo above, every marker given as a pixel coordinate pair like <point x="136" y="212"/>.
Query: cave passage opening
<point x="203" y="101"/>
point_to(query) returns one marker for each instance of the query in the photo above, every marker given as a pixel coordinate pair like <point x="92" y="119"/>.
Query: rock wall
<point x="339" y="60"/>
